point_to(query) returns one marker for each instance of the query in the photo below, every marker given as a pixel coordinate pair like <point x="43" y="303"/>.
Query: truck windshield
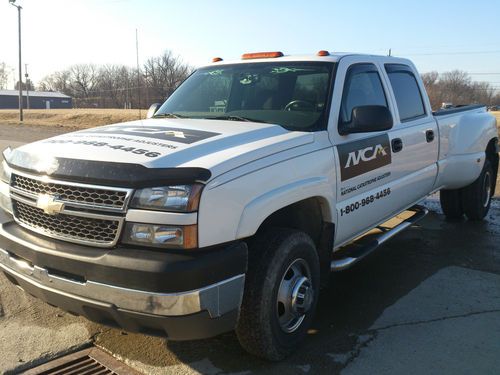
<point x="294" y="95"/>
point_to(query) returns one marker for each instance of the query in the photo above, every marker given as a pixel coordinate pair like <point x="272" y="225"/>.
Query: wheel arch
<point x="311" y="216"/>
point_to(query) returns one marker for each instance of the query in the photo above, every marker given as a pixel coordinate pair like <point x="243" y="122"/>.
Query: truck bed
<point x="457" y="109"/>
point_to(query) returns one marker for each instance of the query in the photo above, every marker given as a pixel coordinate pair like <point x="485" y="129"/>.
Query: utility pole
<point x="27" y="86"/>
<point x="12" y="2"/>
<point x="127" y="100"/>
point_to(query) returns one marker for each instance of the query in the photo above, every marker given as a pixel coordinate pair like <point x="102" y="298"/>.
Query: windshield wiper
<point x="169" y="115"/>
<point x="234" y="118"/>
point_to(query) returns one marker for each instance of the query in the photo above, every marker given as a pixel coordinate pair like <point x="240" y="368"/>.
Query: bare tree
<point x="115" y="82"/>
<point x="164" y="73"/>
<point x="58" y="81"/>
<point x="431" y="85"/>
<point x="4" y="75"/>
<point x="84" y="79"/>
<point x="458" y="88"/>
<point x="455" y="86"/>
<point x="117" y="86"/>
<point x="27" y="85"/>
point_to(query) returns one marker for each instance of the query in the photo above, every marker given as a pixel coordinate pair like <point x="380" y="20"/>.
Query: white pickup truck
<point x="229" y="206"/>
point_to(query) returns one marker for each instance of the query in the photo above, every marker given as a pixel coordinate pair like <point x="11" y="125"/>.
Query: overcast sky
<point x="436" y="35"/>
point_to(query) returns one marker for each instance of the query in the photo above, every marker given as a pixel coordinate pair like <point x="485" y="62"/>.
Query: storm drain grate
<point x="86" y="362"/>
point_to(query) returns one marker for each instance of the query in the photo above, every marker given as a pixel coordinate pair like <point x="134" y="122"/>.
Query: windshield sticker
<point x="284" y="69"/>
<point x="217" y="72"/>
<point x="219" y="106"/>
<point x="186" y="136"/>
<point x="248" y="78"/>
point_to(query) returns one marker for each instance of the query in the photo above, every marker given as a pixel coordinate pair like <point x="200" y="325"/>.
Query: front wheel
<point x="281" y="293"/>
<point x="476" y="198"/>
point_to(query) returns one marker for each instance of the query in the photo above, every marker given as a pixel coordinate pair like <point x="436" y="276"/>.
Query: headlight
<point x="181" y="198"/>
<point x="5" y="173"/>
<point x="166" y="236"/>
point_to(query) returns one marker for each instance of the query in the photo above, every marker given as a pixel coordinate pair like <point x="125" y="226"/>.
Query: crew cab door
<point x="380" y="172"/>
<point x="417" y="129"/>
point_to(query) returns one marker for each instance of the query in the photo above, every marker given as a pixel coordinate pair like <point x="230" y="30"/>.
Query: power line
<point x="485" y="74"/>
<point x="453" y="53"/>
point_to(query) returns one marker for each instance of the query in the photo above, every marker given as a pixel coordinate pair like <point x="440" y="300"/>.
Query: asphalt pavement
<point x="428" y="302"/>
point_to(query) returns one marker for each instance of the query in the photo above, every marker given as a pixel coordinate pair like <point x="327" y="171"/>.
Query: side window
<point x="362" y="87"/>
<point x="406" y="90"/>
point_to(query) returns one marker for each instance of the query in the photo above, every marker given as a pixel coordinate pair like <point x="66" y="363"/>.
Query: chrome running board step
<point x="355" y="252"/>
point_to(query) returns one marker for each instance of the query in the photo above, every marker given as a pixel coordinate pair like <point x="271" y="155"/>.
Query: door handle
<point x="396" y="145"/>
<point x="429" y="136"/>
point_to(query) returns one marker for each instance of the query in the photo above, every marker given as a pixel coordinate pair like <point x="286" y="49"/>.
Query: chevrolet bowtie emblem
<point x="49" y="205"/>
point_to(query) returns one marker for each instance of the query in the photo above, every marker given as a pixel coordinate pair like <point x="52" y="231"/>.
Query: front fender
<point x="234" y="208"/>
<point x="266" y="204"/>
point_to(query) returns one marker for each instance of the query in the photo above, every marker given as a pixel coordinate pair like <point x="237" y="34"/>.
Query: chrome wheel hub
<point x="295" y="296"/>
<point x="302" y="296"/>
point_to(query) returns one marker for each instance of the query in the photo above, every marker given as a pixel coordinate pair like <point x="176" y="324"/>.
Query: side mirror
<point x="152" y="109"/>
<point x="368" y="118"/>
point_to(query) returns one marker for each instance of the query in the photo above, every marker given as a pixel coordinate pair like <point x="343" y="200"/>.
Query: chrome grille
<point x="85" y="214"/>
<point x="72" y="193"/>
<point x="69" y="227"/>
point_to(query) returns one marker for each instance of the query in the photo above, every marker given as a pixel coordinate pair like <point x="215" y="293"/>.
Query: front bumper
<point x="191" y="313"/>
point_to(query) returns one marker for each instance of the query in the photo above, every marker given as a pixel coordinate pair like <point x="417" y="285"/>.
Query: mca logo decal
<point x="176" y="134"/>
<point x="360" y="157"/>
<point x="186" y="136"/>
<point x="366" y="154"/>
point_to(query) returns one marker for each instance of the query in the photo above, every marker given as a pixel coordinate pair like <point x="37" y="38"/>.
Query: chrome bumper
<point x="217" y="299"/>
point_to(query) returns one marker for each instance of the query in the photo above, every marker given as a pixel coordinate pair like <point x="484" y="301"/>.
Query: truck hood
<point x="214" y="145"/>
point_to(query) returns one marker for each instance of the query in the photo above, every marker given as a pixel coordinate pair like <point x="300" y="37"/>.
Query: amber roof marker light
<point x="217" y="59"/>
<point x="323" y="53"/>
<point x="261" y="55"/>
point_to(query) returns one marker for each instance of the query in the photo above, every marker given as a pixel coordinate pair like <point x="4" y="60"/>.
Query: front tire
<point x="476" y="198"/>
<point x="281" y="293"/>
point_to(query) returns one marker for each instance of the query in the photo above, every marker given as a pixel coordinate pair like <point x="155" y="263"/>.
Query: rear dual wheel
<point x="451" y="203"/>
<point x="473" y="200"/>
<point x="476" y="198"/>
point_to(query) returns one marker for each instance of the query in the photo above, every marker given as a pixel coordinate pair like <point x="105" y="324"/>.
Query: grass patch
<point x="72" y="118"/>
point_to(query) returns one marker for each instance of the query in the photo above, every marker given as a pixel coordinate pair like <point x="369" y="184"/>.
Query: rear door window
<point x="406" y="90"/>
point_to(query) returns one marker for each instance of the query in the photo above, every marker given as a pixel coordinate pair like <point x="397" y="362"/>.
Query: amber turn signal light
<point x="261" y="55"/>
